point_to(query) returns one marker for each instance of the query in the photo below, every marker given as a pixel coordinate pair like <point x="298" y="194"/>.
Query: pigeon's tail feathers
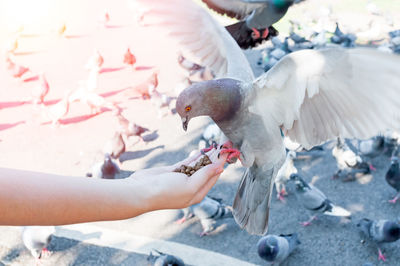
<point x="293" y="240"/>
<point x="252" y="200"/>
<point x="224" y="212"/>
<point x="337" y="211"/>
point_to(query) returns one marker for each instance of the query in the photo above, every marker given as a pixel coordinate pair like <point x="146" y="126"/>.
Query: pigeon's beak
<point x="185" y="122"/>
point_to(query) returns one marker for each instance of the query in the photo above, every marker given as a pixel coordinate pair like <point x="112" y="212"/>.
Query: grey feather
<point x="163" y="259"/>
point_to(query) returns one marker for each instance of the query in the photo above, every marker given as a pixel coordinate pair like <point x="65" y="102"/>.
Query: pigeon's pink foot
<point x="371" y="167"/>
<point x="308" y="223"/>
<point x="203" y="151"/>
<point x="203" y="234"/>
<point x="181" y="221"/>
<point x="45" y="253"/>
<point x="265" y="33"/>
<point x="394" y="200"/>
<point x="381" y="256"/>
<point x="281" y="195"/>
<point x="255" y="34"/>
<point x="227" y="147"/>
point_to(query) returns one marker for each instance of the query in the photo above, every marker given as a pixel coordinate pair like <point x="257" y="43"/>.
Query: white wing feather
<point x="198" y="34"/>
<point x="318" y="95"/>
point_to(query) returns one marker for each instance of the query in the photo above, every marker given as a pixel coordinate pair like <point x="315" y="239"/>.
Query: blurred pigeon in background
<point x="284" y="174"/>
<point x="208" y="211"/>
<point x="115" y="146"/>
<point x="315" y="201"/>
<point x="393" y="177"/>
<point x="36" y="239"/>
<point x="348" y="162"/>
<point x="380" y="231"/>
<point x="163" y="259"/>
<point x="106" y="169"/>
<point x="39" y="92"/>
<point x="276" y="249"/>
<point x="345" y="40"/>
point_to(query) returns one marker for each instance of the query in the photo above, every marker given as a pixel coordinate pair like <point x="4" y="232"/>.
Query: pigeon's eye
<point x="188" y="108"/>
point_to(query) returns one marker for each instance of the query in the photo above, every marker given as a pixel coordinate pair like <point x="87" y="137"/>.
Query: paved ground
<point x="28" y="143"/>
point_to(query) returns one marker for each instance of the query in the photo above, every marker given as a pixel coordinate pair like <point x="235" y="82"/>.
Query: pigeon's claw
<point x="45" y="253"/>
<point x="307" y="223"/>
<point x="394" y="200"/>
<point x="381" y="256"/>
<point x="233" y="153"/>
<point x="203" y="151"/>
<point x="181" y="221"/>
<point x="255" y="34"/>
<point x="371" y="167"/>
<point x="265" y="33"/>
<point x="204" y="233"/>
<point x="281" y="195"/>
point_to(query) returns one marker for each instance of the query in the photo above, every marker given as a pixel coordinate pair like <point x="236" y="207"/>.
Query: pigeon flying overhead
<point x="36" y="239"/>
<point x="315" y="201"/>
<point x="163" y="259"/>
<point x="311" y="95"/>
<point x="380" y="231"/>
<point x="208" y="211"/>
<point x="276" y="249"/>
<point x="255" y="18"/>
<point x="393" y="177"/>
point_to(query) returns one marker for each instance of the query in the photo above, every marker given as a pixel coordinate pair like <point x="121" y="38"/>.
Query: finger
<point x="201" y="177"/>
<point x="205" y="189"/>
<point x="188" y="160"/>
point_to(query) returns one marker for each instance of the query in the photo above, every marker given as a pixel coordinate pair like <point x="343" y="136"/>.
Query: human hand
<point x="166" y="189"/>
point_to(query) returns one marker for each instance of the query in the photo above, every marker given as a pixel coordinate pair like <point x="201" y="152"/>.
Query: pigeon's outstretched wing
<point x="316" y="95"/>
<point x="235" y="8"/>
<point x="198" y="34"/>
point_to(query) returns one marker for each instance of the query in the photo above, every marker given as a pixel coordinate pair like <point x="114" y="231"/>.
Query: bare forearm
<point x="30" y="198"/>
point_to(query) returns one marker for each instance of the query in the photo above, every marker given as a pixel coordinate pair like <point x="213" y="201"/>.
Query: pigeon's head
<point x="219" y="99"/>
<point x="268" y="248"/>
<point x="364" y="224"/>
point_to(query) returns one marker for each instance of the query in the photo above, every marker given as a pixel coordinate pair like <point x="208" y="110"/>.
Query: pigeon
<point x="144" y="89"/>
<point x="106" y="169"/>
<point x="12" y="46"/>
<point x="380" y="231"/>
<point x="129" y="128"/>
<point x="17" y="71"/>
<point x="284" y="173"/>
<point x="196" y="72"/>
<point x="115" y="146"/>
<point x="95" y="62"/>
<point x="393" y="177"/>
<point x="208" y="211"/>
<point x="36" y="239"/>
<point x="315" y="201"/>
<point x="62" y="29"/>
<point x="346" y="40"/>
<point x="276" y="249"/>
<point x="348" y="162"/>
<point x="40" y="92"/>
<point x="255" y="18"/>
<point x="311" y="95"/>
<point x="372" y="147"/>
<point x="163" y="259"/>
<point x="59" y="110"/>
<point x="129" y="58"/>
